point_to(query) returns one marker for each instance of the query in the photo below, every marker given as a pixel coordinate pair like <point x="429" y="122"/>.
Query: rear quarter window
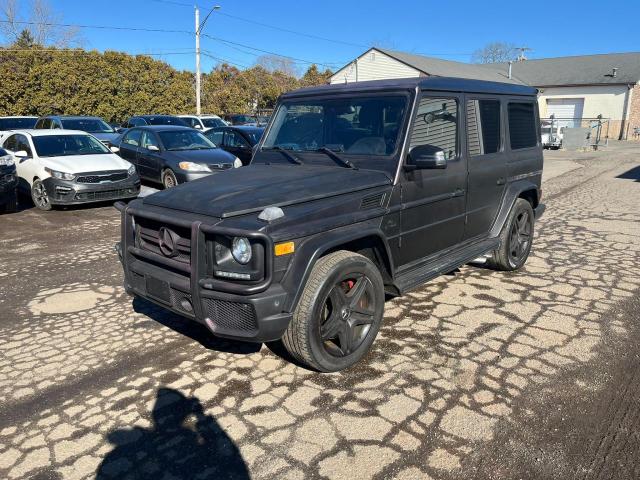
<point x="522" y="125"/>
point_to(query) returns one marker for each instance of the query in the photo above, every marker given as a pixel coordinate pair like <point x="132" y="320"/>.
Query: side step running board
<point x="416" y="276"/>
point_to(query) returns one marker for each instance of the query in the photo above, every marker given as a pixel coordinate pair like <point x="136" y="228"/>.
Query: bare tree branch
<point x="495" y="52"/>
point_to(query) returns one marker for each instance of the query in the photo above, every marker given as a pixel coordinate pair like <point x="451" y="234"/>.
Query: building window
<point x="483" y="127"/>
<point x="522" y="125"/>
<point x="436" y="124"/>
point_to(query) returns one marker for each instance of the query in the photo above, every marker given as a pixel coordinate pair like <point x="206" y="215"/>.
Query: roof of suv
<point x="448" y="84"/>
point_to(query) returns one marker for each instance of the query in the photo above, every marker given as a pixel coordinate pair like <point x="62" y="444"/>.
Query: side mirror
<point x="425" y="157"/>
<point x="21" y="154"/>
<point x="153" y="148"/>
<point x="114" y="149"/>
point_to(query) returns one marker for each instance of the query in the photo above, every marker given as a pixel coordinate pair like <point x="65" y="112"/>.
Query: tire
<point x="169" y="179"/>
<point x="339" y="313"/>
<point x="12" y="204"/>
<point x="39" y="196"/>
<point x="516" y="238"/>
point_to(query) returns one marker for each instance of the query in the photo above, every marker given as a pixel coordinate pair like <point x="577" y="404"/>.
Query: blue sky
<point x="427" y="27"/>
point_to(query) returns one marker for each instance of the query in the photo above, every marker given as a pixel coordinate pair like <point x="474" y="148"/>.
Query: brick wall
<point x="634" y="112"/>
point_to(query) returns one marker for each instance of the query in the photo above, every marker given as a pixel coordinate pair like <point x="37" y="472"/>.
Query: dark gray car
<point x="171" y="154"/>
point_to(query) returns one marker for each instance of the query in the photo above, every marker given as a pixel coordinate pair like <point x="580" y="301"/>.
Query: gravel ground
<point x="479" y="374"/>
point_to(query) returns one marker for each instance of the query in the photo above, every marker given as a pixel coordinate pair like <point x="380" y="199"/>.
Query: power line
<point x="224" y="60"/>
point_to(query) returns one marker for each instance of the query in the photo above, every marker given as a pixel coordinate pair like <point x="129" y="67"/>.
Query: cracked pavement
<point x="462" y="382"/>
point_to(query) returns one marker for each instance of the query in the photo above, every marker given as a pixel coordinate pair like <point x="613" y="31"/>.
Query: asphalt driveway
<point x="479" y="374"/>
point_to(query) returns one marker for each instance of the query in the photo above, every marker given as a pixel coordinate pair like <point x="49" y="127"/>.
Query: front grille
<point x="148" y="238"/>
<point x="231" y="315"/>
<point x="105" y="194"/>
<point x="115" y="176"/>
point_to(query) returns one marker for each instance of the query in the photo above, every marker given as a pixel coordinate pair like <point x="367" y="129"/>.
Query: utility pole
<point x="198" y="76"/>
<point x="198" y="108"/>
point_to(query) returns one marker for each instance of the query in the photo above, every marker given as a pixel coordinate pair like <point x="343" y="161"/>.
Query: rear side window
<point x="483" y="126"/>
<point x="436" y="124"/>
<point x="522" y="125"/>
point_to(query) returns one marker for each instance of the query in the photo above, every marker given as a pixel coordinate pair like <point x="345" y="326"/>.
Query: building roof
<point x="578" y="70"/>
<point x="431" y="83"/>
<point x="449" y="68"/>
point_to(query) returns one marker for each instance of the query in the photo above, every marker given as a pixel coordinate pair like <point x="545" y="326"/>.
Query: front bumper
<point x="250" y="313"/>
<point x="185" y="176"/>
<point x="8" y="185"/>
<point x="66" y="192"/>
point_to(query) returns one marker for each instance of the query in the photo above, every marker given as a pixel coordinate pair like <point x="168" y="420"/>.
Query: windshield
<point x="166" y="121"/>
<point x="357" y="125"/>
<point x="91" y="125"/>
<point x="185" y="140"/>
<point x="17" y="123"/>
<point x="213" y="122"/>
<point x="65" y="145"/>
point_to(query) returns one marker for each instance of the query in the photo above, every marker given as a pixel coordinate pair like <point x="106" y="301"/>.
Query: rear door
<point x="487" y="162"/>
<point x="149" y="162"/>
<point x="433" y="200"/>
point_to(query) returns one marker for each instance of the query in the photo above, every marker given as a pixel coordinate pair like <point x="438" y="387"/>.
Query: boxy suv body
<point x="355" y="192"/>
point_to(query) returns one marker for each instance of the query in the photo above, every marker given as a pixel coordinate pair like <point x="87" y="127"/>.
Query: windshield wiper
<point x="337" y="157"/>
<point x="284" y="152"/>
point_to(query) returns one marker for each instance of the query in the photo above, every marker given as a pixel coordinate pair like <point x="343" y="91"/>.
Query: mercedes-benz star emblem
<point x="168" y="242"/>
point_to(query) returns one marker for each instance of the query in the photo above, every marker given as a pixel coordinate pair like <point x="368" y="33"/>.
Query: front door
<point x="433" y="200"/>
<point x="237" y="145"/>
<point x="487" y="163"/>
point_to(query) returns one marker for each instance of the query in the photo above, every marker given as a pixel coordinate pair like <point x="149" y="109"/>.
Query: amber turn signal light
<point x="284" y="248"/>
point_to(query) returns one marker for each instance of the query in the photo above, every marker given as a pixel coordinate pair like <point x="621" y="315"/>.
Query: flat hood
<point x="250" y="189"/>
<point x="207" y="157"/>
<point x="85" y="163"/>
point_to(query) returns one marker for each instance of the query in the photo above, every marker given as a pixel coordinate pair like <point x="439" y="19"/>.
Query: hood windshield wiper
<point x="284" y="152"/>
<point x="337" y="157"/>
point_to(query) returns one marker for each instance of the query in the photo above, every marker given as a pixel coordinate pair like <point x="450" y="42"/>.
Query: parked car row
<point x="66" y="160"/>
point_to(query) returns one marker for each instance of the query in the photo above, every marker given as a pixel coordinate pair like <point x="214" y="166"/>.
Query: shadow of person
<point x="182" y="443"/>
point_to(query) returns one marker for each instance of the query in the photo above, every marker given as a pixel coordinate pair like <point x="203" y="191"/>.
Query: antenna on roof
<point x="521" y="56"/>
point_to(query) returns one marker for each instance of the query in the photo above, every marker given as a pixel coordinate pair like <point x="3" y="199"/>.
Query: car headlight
<point x="6" y="160"/>
<point x="59" y="175"/>
<point x="237" y="163"/>
<point x="193" y="167"/>
<point x="241" y="250"/>
<point x="132" y="170"/>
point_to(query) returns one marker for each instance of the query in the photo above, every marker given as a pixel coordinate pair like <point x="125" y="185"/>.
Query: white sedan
<point x="69" y="167"/>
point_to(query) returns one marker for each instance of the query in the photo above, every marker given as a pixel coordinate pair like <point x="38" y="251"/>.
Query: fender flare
<point x="311" y="250"/>
<point x="511" y="194"/>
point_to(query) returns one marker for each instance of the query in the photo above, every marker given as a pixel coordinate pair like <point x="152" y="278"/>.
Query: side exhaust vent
<point x="372" y="201"/>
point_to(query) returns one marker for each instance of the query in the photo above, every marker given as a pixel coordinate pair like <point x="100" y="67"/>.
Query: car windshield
<point x="185" y="140"/>
<point x="368" y="125"/>
<point x="213" y="122"/>
<point x="91" y="125"/>
<point x="17" y="123"/>
<point x="65" y="145"/>
<point x="166" y="121"/>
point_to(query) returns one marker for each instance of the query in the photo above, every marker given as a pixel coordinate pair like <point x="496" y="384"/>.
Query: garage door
<point x="567" y="110"/>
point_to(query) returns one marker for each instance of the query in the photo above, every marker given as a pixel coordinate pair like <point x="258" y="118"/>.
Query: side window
<point x="137" y="122"/>
<point x="39" y="123"/>
<point x="56" y="124"/>
<point x="23" y="144"/>
<point x="233" y="139"/>
<point x="192" y="122"/>
<point x="133" y="138"/>
<point x="149" y="139"/>
<point x="436" y="124"/>
<point x="11" y="143"/>
<point x="483" y="126"/>
<point x="522" y="125"/>
<point x="216" y="137"/>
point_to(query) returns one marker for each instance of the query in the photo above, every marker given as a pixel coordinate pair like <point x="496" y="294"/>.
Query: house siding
<point x="373" y="65"/>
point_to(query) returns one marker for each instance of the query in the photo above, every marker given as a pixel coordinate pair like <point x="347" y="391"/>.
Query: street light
<point x="199" y="27"/>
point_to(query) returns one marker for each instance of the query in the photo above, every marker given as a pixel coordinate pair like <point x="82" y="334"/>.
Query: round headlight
<point x="241" y="250"/>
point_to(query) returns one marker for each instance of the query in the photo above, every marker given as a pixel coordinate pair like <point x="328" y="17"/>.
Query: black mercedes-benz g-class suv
<point x="355" y="192"/>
